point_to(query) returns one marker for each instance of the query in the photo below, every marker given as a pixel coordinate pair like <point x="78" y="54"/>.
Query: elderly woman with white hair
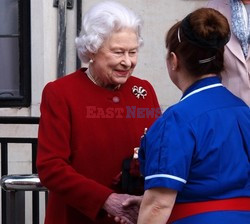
<point x="93" y="119"/>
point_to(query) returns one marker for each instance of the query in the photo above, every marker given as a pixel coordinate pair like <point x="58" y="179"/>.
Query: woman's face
<point x="116" y="59"/>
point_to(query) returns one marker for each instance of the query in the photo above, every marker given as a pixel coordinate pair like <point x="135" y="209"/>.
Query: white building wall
<point x="158" y="16"/>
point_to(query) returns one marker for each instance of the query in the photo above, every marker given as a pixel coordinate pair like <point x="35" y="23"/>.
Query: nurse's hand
<point x="132" y="203"/>
<point x="127" y="214"/>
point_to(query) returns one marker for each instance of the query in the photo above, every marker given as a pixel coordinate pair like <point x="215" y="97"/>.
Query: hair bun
<point x="206" y="28"/>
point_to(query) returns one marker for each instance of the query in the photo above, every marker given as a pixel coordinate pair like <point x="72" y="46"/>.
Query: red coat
<point x="85" y="132"/>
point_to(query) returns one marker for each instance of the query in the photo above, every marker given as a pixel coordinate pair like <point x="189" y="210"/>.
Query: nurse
<point x="195" y="158"/>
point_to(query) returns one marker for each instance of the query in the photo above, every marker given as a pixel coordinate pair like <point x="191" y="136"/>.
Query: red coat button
<point x="116" y="99"/>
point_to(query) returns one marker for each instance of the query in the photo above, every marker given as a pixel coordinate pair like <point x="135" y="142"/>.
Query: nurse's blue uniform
<point x="201" y="148"/>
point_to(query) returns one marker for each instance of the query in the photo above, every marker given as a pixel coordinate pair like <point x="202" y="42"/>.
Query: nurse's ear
<point x="174" y="69"/>
<point x="173" y="61"/>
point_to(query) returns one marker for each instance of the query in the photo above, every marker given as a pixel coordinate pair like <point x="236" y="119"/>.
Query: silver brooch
<point x="139" y="92"/>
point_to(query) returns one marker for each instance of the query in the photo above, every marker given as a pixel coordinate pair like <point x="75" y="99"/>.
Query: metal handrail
<point x="14" y="187"/>
<point x="19" y="120"/>
<point x="24" y="182"/>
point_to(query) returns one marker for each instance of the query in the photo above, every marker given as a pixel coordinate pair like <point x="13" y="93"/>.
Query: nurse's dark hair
<point x="198" y="41"/>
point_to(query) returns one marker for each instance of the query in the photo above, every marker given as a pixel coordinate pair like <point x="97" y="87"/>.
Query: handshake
<point x="124" y="208"/>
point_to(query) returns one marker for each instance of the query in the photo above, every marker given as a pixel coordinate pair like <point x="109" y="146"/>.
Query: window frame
<point x="24" y="99"/>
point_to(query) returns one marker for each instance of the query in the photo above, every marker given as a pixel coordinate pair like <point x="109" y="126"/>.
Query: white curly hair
<point x="100" y="21"/>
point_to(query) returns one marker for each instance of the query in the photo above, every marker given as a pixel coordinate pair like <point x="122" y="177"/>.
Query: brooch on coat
<point x="139" y="92"/>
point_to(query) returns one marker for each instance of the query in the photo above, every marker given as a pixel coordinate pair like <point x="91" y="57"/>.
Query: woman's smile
<point x="122" y="72"/>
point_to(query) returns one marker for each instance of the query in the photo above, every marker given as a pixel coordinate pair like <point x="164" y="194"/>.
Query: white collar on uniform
<point x="201" y="89"/>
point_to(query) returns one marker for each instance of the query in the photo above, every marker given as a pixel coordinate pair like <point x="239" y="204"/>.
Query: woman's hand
<point x="123" y="207"/>
<point x="133" y="202"/>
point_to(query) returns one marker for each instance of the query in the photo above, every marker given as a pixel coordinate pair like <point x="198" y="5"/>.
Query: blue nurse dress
<point x="201" y="148"/>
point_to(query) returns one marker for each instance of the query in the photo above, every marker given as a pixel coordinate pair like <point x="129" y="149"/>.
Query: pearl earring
<point x="91" y="61"/>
